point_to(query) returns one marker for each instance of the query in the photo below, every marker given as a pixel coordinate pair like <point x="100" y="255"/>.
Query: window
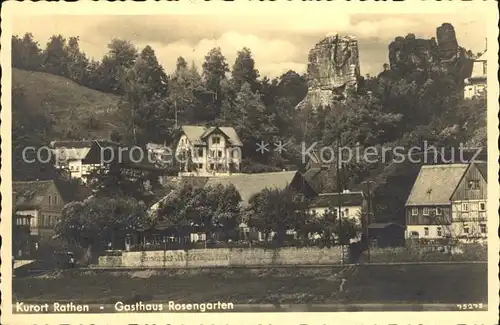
<point x="414" y="211"/>
<point x="466" y="228"/>
<point x="215" y="140"/>
<point x="50" y="199"/>
<point x="182" y="142"/>
<point x="439" y="212"/>
<point x="439" y="231"/>
<point x="465" y="207"/>
<point x="473" y="184"/>
<point x="426" y="231"/>
<point x="482" y="206"/>
<point x="212" y="153"/>
<point x="200" y="152"/>
<point x="482" y="227"/>
<point x="55" y="199"/>
<point x="212" y="166"/>
<point x="219" y="153"/>
<point x="200" y="166"/>
<point x="425" y="211"/>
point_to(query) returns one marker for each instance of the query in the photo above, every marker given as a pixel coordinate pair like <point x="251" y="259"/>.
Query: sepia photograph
<point x="214" y="163"/>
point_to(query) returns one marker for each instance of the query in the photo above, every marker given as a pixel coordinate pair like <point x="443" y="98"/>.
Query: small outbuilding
<point x="386" y="234"/>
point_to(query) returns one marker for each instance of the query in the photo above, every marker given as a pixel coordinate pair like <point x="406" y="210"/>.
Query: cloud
<point x="278" y="42"/>
<point x="272" y="56"/>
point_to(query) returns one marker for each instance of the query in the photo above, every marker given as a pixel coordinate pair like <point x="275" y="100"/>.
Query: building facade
<point x="42" y="202"/>
<point x="208" y="151"/>
<point x="80" y="158"/>
<point x="468" y="203"/>
<point x="447" y="201"/>
<point x="349" y="203"/>
<point x="476" y="84"/>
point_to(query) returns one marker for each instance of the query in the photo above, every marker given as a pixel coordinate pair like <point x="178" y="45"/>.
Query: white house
<point x="350" y="204"/>
<point x="476" y="84"/>
<point x="208" y="151"/>
<point x="80" y="158"/>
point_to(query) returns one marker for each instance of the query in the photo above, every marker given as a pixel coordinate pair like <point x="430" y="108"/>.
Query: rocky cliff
<point x="332" y="70"/>
<point x="408" y="54"/>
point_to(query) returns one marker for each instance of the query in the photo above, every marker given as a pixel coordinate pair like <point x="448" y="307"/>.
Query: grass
<point x="444" y="283"/>
<point x="70" y="105"/>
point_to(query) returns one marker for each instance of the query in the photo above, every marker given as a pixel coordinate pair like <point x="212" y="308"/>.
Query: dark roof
<point x="72" y="191"/>
<point x="71" y="144"/>
<point x="30" y="194"/>
<point x="197" y="134"/>
<point x="382" y="225"/>
<point x="333" y="199"/>
<point x="482" y="166"/>
<point x="435" y="184"/>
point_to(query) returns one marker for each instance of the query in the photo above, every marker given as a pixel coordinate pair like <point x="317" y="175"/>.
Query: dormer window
<point x="216" y="140"/>
<point x="473" y="184"/>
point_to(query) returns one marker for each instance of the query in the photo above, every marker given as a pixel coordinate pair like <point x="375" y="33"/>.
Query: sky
<point x="278" y="43"/>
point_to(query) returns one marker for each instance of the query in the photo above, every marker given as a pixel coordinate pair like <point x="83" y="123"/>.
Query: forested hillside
<point x="129" y="91"/>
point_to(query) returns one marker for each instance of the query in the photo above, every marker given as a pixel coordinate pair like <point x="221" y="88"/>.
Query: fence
<point x="224" y="257"/>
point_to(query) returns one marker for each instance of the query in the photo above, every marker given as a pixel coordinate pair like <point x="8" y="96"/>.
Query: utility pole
<point x="367" y="215"/>
<point x="339" y="190"/>
<point x="175" y="109"/>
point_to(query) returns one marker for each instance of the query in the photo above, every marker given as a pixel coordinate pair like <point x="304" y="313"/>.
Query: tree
<point x="277" y="210"/>
<point x="26" y="52"/>
<point x="148" y="75"/>
<point x="77" y="61"/>
<point x="292" y="87"/>
<point x="213" y="208"/>
<point x="244" y="70"/>
<point x="214" y="71"/>
<point x="189" y="97"/>
<point x="252" y="123"/>
<point x="116" y="64"/>
<point x="181" y="64"/>
<point x="55" y="56"/>
<point x="94" y="222"/>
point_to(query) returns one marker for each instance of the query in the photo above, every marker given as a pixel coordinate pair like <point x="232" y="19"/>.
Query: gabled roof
<point x="482" y="57"/>
<point x="77" y="150"/>
<point x="197" y="134"/>
<point x="71" y="144"/>
<point x="250" y="184"/>
<point x="71" y="150"/>
<point x="29" y="194"/>
<point x="325" y="200"/>
<point x="435" y="184"/>
<point x="482" y="166"/>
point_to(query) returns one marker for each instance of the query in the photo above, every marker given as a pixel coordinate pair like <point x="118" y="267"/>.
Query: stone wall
<point x="223" y="257"/>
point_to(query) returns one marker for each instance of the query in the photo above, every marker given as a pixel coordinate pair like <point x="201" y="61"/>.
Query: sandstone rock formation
<point x="407" y="54"/>
<point x="332" y="70"/>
